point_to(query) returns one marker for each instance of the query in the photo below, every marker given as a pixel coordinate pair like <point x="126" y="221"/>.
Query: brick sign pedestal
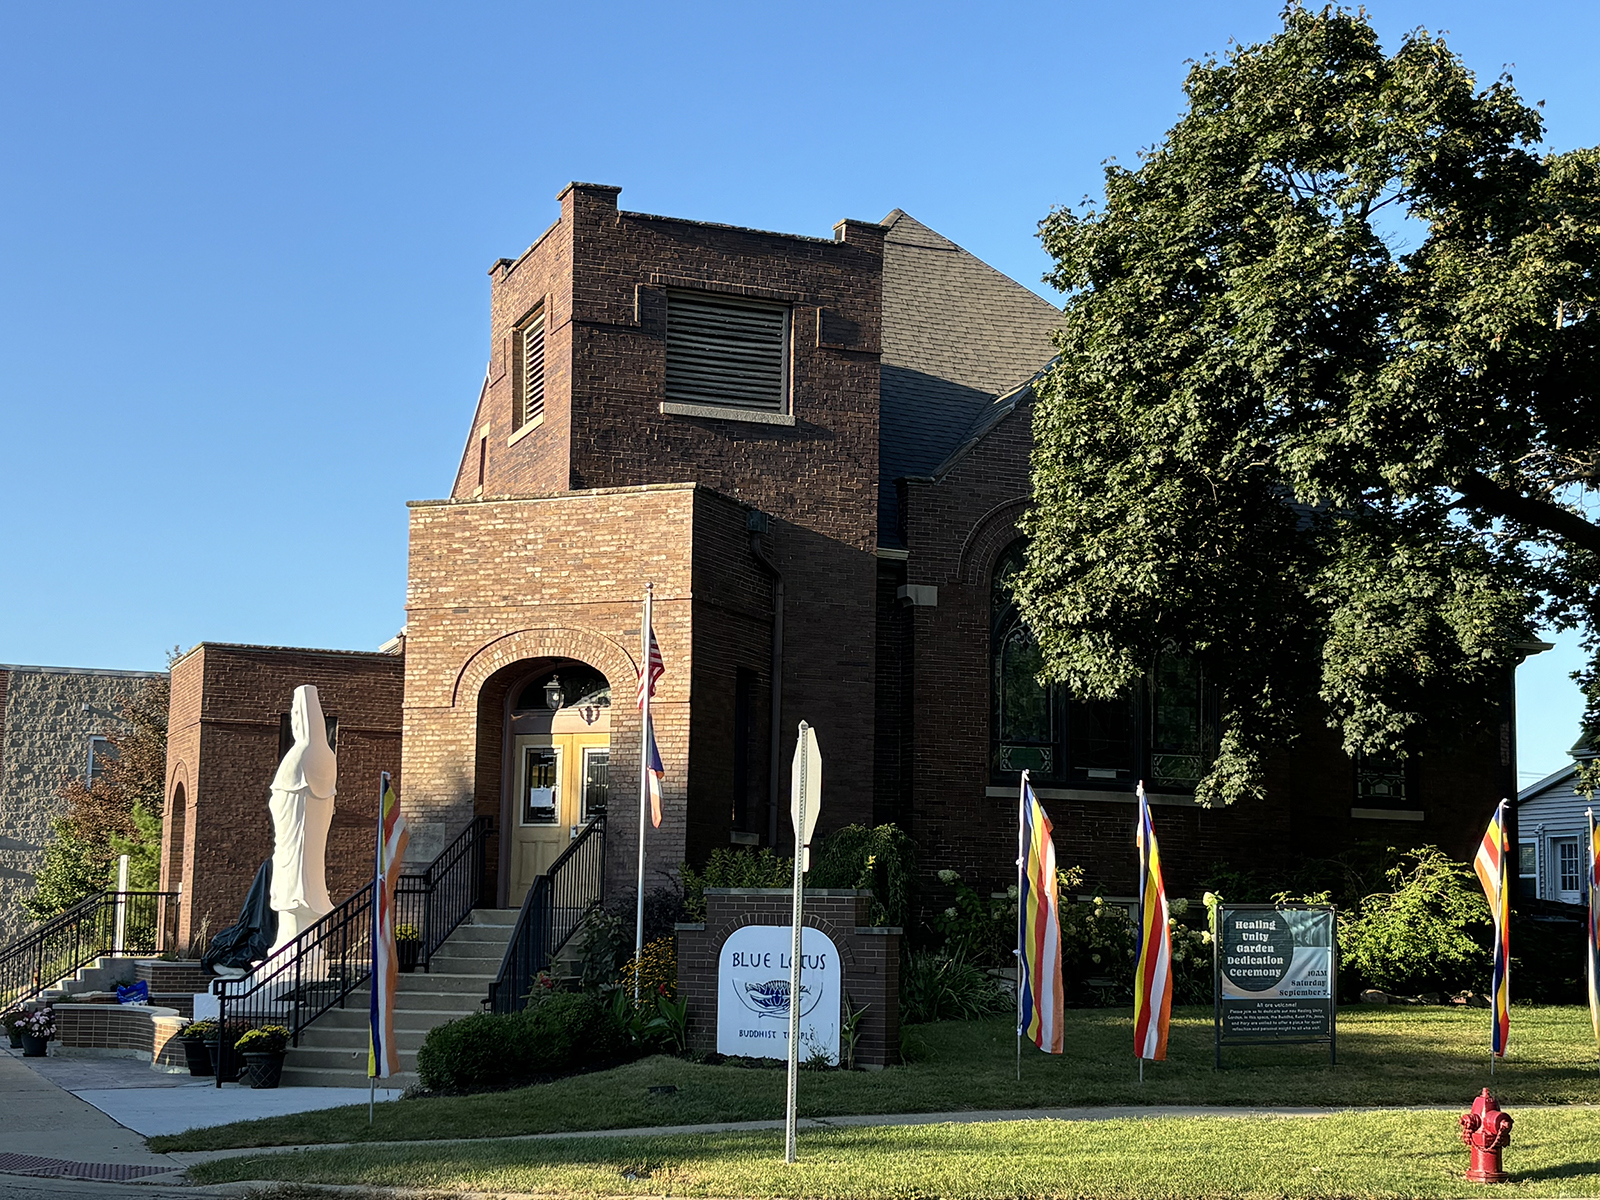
<point x="870" y="958"/>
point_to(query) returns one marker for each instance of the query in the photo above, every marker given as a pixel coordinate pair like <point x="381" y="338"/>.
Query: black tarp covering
<point x="246" y="943"/>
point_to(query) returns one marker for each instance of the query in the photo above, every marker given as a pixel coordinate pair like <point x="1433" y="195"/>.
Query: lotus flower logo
<point x="771" y="998"/>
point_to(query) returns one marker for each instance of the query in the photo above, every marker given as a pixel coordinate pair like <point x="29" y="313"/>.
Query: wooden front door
<point x="560" y="764"/>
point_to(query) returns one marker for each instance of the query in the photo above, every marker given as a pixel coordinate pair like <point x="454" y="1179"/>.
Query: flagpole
<point x="1593" y="937"/>
<point x="644" y="783"/>
<point x="1022" y="809"/>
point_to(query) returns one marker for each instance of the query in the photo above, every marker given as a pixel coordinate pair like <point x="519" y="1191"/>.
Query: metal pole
<point x="794" y="954"/>
<point x="1021" y="962"/>
<point x="644" y="783"/>
<point x="122" y="904"/>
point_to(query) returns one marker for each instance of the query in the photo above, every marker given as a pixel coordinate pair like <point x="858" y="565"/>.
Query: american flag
<point x="653" y="672"/>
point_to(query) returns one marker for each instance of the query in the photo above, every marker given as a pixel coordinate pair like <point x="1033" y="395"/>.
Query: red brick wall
<point x="223" y="746"/>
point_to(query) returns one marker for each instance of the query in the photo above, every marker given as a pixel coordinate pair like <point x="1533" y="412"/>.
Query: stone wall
<point x="47" y="715"/>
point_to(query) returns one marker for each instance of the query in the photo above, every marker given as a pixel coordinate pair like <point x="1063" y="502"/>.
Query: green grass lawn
<point x="1390" y="1154"/>
<point x="1387" y="1057"/>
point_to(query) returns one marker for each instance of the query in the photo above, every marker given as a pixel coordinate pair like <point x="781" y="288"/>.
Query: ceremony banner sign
<point x="1276" y="975"/>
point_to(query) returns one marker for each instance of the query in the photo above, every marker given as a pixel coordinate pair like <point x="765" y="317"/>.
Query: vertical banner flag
<point x="1039" y="990"/>
<point x="1594" y="924"/>
<point x="383" y="1056"/>
<point x="1490" y="864"/>
<point x="655" y="667"/>
<point x="1152" y="976"/>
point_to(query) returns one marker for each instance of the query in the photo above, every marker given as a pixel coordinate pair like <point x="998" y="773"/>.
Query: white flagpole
<point x="1021" y="964"/>
<point x="644" y="784"/>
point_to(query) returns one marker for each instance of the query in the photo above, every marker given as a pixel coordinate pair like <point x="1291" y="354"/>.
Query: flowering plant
<point x="269" y="1039"/>
<point x="13" y="1019"/>
<point x="407" y="933"/>
<point x="41" y="1024"/>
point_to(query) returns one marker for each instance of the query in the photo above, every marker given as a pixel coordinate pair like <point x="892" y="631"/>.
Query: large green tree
<point x="1323" y="416"/>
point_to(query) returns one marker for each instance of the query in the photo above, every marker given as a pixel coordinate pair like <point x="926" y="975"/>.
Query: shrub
<point x="975" y="929"/>
<point x="745" y="867"/>
<point x="564" y="1031"/>
<point x="1419" y="936"/>
<point x="880" y="857"/>
<point x="939" y="987"/>
<point x="269" y="1039"/>
<point x="1101" y="941"/>
<point x="657" y="970"/>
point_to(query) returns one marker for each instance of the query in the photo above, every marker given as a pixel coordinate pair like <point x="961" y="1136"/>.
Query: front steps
<point x="333" y="1049"/>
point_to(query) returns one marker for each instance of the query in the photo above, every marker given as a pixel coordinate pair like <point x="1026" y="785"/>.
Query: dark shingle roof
<point x="957" y="334"/>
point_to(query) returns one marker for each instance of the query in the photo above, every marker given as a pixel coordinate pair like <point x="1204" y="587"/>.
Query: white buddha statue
<point x="302" y="810"/>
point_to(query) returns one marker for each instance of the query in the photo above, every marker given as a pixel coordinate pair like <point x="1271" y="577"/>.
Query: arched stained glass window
<point x="1164" y="732"/>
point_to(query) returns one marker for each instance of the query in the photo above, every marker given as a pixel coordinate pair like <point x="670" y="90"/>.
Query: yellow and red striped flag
<point x="1152" y="976"/>
<point x="1490" y="864"/>
<point x="1040" y="996"/>
<point x="383" y="1056"/>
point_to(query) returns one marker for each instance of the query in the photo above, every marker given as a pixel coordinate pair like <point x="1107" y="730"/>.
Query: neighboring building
<point x="1553" y="835"/>
<point x="228" y="729"/>
<point x="817" y="451"/>
<point x="53" y="727"/>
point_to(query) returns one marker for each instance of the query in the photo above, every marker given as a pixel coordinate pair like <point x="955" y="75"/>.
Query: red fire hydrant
<point x="1487" y="1130"/>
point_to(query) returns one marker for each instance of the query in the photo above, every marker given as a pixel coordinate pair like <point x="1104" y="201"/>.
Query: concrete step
<point x="339" y="1058"/>
<point x="342" y="1077"/>
<point x="404" y="1018"/>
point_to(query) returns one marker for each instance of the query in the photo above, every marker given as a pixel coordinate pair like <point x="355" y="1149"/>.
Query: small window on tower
<point x="528" y="370"/>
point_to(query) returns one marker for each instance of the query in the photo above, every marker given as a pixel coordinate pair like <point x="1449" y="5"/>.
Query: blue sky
<point x="243" y="248"/>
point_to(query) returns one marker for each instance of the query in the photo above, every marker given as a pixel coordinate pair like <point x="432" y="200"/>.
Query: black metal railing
<point x="552" y="911"/>
<point x="108" y="923"/>
<point x="333" y="958"/>
<point x="433" y="903"/>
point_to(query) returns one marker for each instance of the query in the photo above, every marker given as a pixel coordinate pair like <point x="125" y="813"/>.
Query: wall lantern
<point x="552" y="693"/>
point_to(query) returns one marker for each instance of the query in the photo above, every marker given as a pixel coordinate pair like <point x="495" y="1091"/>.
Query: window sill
<point x="1387" y="814"/>
<point x="525" y="430"/>
<point x="755" y="416"/>
<point x="1051" y="793"/>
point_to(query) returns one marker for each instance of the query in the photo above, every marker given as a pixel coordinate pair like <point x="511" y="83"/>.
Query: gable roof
<point x="957" y="334"/>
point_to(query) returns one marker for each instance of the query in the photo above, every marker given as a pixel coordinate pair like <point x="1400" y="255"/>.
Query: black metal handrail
<point x="140" y="923"/>
<point x="553" y="910"/>
<point x="436" y="901"/>
<point x="331" y="959"/>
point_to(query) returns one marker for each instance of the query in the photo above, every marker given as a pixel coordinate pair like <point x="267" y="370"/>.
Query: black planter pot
<point x="226" y="1062"/>
<point x="33" y="1047"/>
<point x="408" y="952"/>
<point x="265" y="1067"/>
<point x="16" y="1039"/>
<point x="199" y="1058"/>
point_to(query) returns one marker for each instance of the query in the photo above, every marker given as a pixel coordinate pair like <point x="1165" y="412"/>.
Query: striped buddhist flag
<point x="1039" y="990"/>
<point x="1490" y="864"/>
<point x="1594" y="924"/>
<point x="1152" y="976"/>
<point x="653" y="671"/>
<point x="383" y="1057"/>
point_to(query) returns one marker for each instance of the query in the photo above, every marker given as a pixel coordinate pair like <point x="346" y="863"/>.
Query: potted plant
<point x="194" y="1037"/>
<point x="263" y="1051"/>
<point x="38" y="1031"/>
<point x="13" y="1019"/>
<point x="225" y="1062"/>
<point x="408" y="946"/>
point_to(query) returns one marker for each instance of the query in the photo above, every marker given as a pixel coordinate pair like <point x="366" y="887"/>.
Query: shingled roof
<point x="957" y="334"/>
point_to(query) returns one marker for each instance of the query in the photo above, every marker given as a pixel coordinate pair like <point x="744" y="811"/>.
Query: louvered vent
<point x="726" y="351"/>
<point x="530" y="363"/>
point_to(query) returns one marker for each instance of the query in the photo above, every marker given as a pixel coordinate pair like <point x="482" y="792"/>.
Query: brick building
<point x="816" y="451"/>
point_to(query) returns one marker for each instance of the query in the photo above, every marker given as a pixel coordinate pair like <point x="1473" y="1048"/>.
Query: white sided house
<point x="1554" y="834"/>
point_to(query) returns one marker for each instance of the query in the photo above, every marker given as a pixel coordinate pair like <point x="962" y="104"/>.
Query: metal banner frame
<point x="1332" y="1036"/>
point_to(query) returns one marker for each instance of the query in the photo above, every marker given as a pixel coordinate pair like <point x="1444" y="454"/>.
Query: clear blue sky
<point x="243" y="248"/>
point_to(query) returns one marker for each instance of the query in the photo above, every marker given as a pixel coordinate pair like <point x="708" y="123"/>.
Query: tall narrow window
<point x="726" y="351"/>
<point x="483" y="458"/>
<point x="1025" y="711"/>
<point x="1182" y="744"/>
<point x="101" y="751"/>
<point x="528" y="363"/>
